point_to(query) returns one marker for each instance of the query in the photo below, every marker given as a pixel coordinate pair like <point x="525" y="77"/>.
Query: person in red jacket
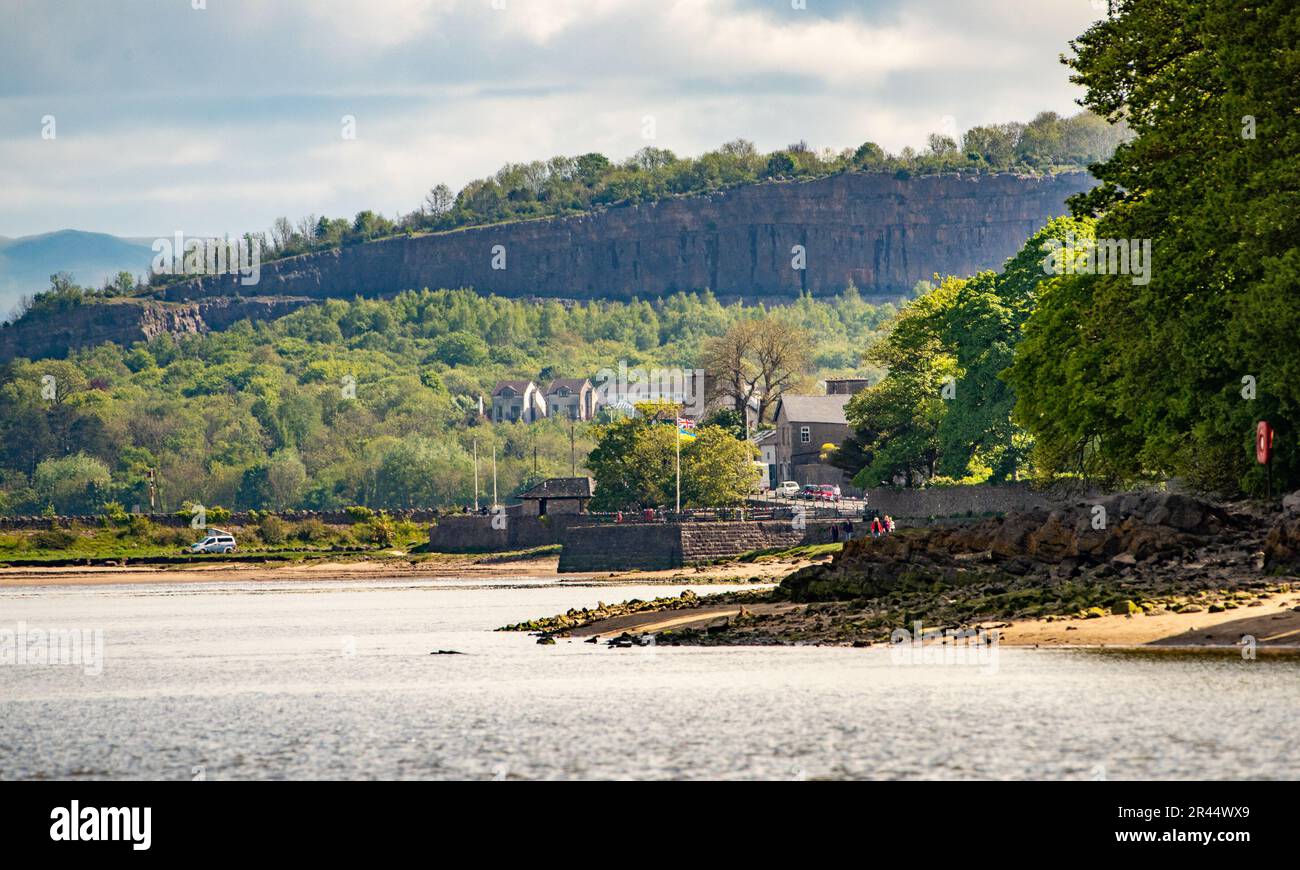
<point x="876" y="527"/>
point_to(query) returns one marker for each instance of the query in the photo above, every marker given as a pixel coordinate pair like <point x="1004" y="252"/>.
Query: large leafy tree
<point x="896" y="421"/>
<point x="944" y="408"/>
<point x="1142" y="379"/>
<point x="634" y="465"/>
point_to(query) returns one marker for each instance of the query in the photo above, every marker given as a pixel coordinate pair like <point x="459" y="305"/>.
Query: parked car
<point x="810" y="491"/>
<point x="216" y="542"/>
<point x="788" y="489"/>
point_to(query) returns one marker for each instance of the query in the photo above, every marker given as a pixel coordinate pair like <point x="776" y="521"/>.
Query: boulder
<point x="1282" y="544"/>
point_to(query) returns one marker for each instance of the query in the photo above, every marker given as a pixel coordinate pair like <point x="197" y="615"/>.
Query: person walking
<point x="876" y="527"/>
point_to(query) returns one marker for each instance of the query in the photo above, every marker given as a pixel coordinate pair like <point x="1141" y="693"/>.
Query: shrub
<point x="272" y="529"/>
<point x="172" y="537"/>
<point x="312" y="532"/>
<point x="116" y="513"/>
<point x="139" y="526"/>
<point x="53" y="539"/>
<point x="381" y="530"/>
<point x="360" y="514"/>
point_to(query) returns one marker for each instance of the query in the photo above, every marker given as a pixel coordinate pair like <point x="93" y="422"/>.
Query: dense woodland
<point x="260" y="416"/>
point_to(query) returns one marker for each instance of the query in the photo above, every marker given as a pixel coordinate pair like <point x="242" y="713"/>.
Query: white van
<point x="216" y="542"/>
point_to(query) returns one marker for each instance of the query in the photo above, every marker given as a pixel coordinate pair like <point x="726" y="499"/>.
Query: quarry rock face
<point x="877" y="231"/>
<point x="129" y="320"/>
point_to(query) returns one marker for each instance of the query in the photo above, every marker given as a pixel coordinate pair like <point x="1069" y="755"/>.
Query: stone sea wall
<point x="953" y="501"/>
<point x="659" y="546"/>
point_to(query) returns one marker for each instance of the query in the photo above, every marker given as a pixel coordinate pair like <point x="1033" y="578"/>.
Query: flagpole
<point x="475" y="475"/>
<point x="677" y="443"/>
<point x="494" y="475"/>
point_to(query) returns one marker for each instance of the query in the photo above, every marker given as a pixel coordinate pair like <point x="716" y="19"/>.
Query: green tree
<point x="634" y="465"/>
<point x="717" y="468"/>
<point x="73" y="484"/>
<point x="1156" y="371"/>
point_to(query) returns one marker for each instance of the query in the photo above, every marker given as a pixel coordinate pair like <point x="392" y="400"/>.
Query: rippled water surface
<point x="335" y="680"/>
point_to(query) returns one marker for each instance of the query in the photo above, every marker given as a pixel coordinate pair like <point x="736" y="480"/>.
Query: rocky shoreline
<point x="1132" y="555"/>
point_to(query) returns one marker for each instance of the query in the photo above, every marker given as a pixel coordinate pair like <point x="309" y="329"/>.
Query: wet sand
<point x="1274" y="626"/>
<point x="434" y="567"/>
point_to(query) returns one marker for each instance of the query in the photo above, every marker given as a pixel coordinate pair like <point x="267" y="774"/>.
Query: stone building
<point x="517" y="402"/>
<point x="846" y="386"/>
<point x="558" y="495"/>
<point x="803" y="425"/>
<point x="571" y="398"/>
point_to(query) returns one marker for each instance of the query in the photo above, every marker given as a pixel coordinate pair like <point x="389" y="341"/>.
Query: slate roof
<point x="574" y="384"/>
<point x="562" y="487"/>
<point x="814" y="409"/>
<point x="519" y="387"/>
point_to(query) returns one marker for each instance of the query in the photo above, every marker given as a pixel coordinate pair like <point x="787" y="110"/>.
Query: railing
<point x="806" y="509"/>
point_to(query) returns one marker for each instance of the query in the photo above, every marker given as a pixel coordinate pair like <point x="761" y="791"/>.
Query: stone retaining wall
<point x="473" y="533"/>
<point x="659" y="546"/>
<point x="949" y="501"/>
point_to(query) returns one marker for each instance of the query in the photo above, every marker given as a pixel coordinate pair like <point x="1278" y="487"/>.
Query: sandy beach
<point x="1274" y="626"/>
<point x="438" y="566"/>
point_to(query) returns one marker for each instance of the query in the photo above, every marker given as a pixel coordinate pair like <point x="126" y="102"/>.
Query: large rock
<point x="1282" y="544"/>
<point x="1052" y="544"/>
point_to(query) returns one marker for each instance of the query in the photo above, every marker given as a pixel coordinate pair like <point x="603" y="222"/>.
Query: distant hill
<point x="27" y="262"/>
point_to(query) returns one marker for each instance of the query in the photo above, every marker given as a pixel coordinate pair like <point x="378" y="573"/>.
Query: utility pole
<point x="494" y="475"/>
<point x="476" y="474"/>
<point x="573" y="455"/>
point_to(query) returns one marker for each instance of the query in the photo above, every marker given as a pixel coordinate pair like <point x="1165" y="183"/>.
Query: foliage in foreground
<point x="1123" y="380"/>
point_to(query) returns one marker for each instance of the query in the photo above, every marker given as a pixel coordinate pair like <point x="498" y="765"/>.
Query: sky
<point x="144" y="117"/>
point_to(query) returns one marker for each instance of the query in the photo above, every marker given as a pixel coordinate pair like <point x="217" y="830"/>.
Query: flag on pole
<point x="685" y="428"/>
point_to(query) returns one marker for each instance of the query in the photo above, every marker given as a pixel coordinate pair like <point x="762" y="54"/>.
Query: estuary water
<point x="230" y="680"/>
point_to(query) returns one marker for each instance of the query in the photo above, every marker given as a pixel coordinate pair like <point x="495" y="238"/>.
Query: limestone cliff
<point x="124" y="321"/>
<point x="877" y="231"/>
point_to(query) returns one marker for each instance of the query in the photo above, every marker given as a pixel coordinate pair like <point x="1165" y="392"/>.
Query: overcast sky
<point x="217" y="120"/>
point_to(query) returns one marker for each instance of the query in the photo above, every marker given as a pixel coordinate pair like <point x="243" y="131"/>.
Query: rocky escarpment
<point x="874" y="230"/>
<point x="877" y="231"/>
<point x="124" y="321"/>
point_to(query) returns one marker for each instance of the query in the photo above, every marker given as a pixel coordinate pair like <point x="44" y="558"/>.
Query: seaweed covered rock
<point x="1282" y="544"/>
<point x="1114" y="533"/>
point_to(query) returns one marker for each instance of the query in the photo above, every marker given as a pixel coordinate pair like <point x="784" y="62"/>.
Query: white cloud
<point x="226" y="118"/>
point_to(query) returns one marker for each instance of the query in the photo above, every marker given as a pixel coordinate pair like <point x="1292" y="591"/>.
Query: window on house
<point x="805" y="434"/>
